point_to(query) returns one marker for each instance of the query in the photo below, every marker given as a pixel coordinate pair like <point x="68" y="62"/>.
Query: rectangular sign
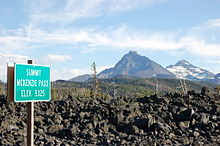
<point x="31" y="83"/>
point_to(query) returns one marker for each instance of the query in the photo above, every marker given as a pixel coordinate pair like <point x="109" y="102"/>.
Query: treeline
<point x="123" y="87"/>
<point x="129" y="87"/>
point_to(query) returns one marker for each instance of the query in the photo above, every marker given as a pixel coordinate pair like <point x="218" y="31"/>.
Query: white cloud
<point x="195" y="41"/>
<point x="214" y="61"/>
<point x="9" y="58"/>
<point x="12" y="42"/>
<point x="13" y="58"/>
<point x="214" y="23"/>
<point x="67" y="73"/>
<point x="204" y="49"/>
<point x="203" y="40"/>
<point x="200" y="47"/>
<point x="125" y="5"/>
<point x="116" y="38"/>
<point x="58" y="58"/>
<point x="122" y="37"/>
<point x="67" y="11"/>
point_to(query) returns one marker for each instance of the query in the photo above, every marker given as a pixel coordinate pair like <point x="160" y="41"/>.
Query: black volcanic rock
<point x="135" y="65"/>
<point x="116" y="121"/>
<point x="185" y="115"/>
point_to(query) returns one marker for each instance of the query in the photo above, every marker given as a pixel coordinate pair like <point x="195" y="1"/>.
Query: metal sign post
<point x="30" y="120"/>
<point x="10" y="82"/>
<point x="30" y="123"/>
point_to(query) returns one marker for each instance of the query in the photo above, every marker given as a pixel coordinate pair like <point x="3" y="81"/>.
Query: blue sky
<point x="70" y="34"/>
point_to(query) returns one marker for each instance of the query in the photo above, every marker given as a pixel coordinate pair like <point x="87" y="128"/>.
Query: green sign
<point x="31" y="83"/>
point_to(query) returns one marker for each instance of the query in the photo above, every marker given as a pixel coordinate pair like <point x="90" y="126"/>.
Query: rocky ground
<point x="173" y="119"/>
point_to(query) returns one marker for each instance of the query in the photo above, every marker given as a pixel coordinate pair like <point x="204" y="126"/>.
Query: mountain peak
<point x="135" y="65"/>
<point x="183" y="62"/>
<point x="132" y="52"/>
<point x="185" y="70"/>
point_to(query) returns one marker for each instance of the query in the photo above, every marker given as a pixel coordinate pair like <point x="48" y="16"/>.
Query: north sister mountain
<point x="135" y="65"/>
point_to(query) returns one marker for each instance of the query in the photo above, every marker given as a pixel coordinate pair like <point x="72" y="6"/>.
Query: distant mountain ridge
<point x="135" y="65"/>
<point x="185" y="70"/>
<point x="81" y="78"/>
<point x="217" y="78"/>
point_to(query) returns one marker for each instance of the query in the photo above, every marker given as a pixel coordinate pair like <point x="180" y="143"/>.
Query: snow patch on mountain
<point x="185" y="70"/>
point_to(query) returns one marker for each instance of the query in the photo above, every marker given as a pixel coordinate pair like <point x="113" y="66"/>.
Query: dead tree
<point x="183" y="86"/>
<point x="156" y="85"/>
<point x="96" y="83"/>
<point x="114" y="88"/>
<point x="217" y="89"/>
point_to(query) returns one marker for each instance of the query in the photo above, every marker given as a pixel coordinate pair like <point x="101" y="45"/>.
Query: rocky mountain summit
<point x="135" y="65"/>
<point x="173" y="119"/>
<point x="185" y="70"/>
